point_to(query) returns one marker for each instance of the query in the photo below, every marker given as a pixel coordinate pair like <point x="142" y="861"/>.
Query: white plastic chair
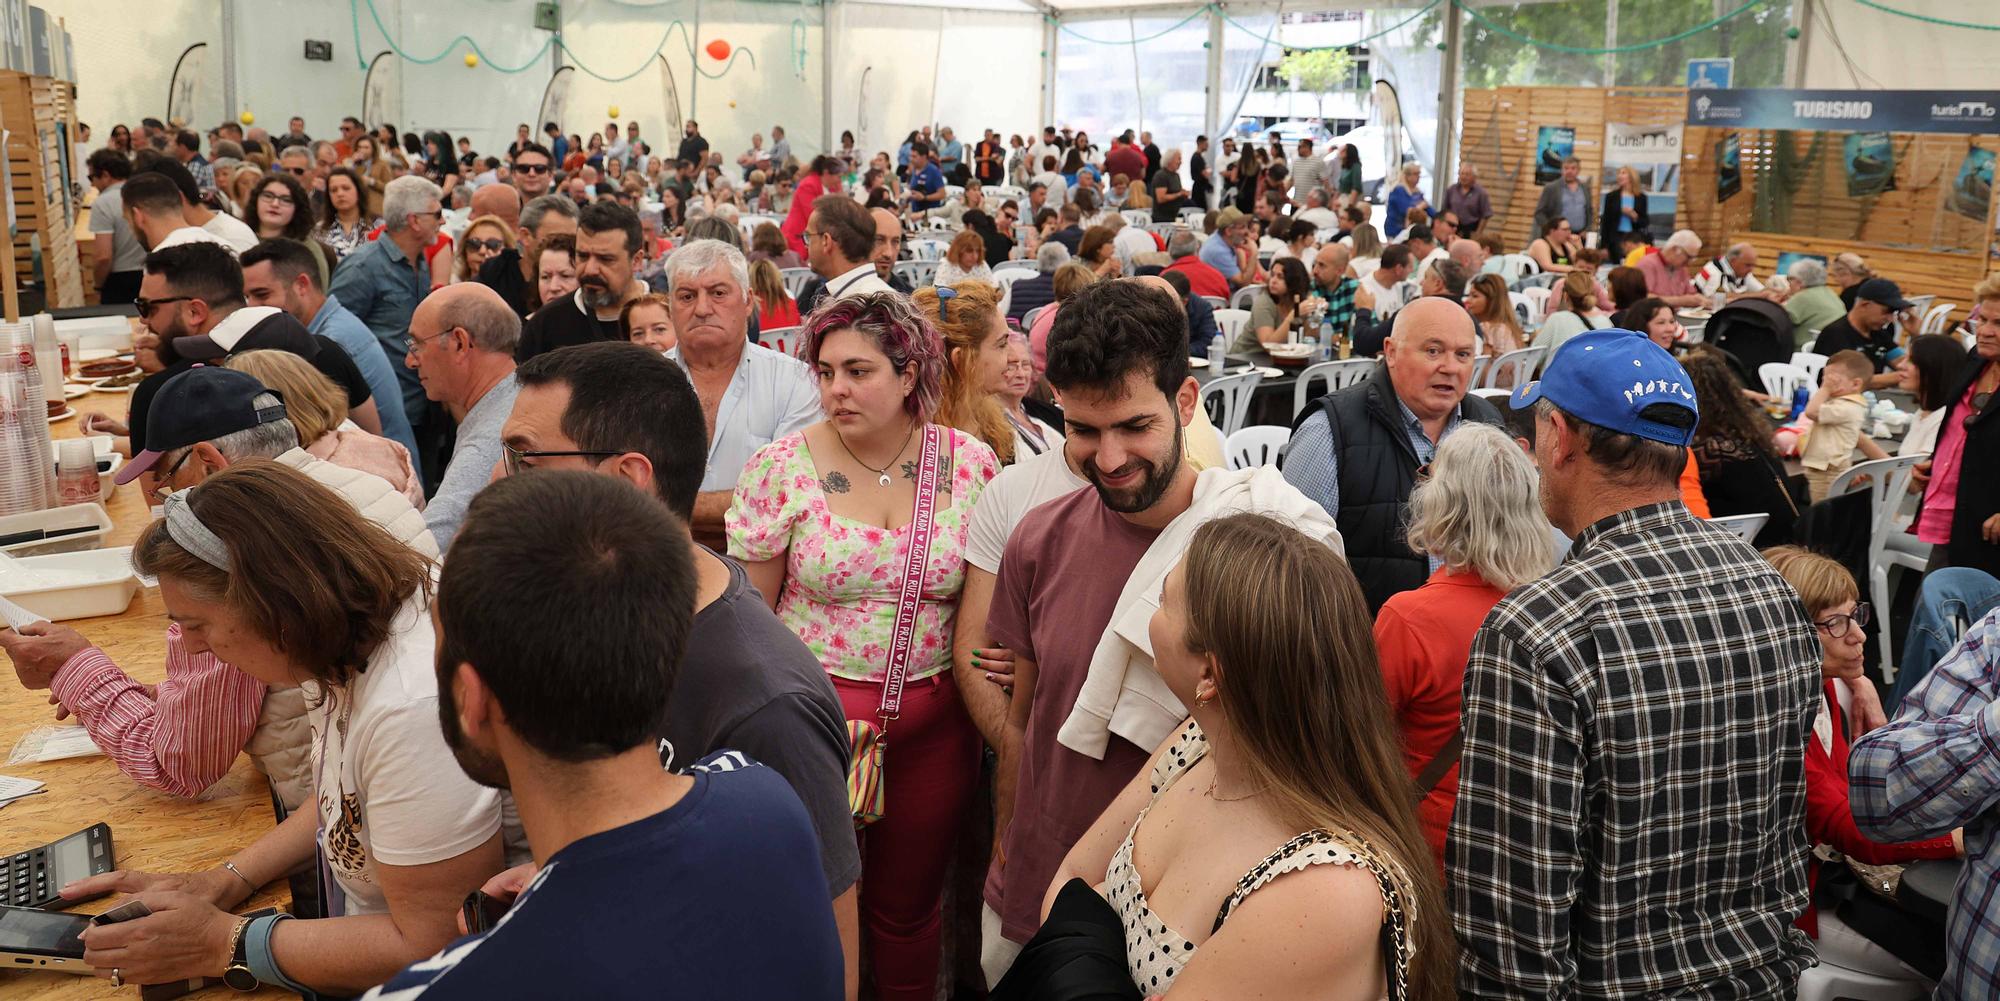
<point x="1245" y="297"/>
<point x="1543" y="279"/>
<point x="1231" y="322"/>
<point x="1028" y="318"/>
<point x="1812" y="364"/>
<point x="1888" y="480"/>
<point x="1498" y="396"/>
<point x="1138" y="217"/>
<point x="1524" y="309"/>
<point x="1516" y="367"/>
<point x="1937" y="318"/>
<point x="1782" y="380"/>
<point x="1480" y="365"/>
<point x="783" y="340"/>
<point x="918" y="272"/>
<point x="1227" y="401"/>
<point x="795" y="279"/>
<point x="1029" y="266"/>
<point x="1004" y="281"/>
<point x="1538" y="299"/>
<point x="1745" y="525"/>
<point x="927" y="249"/>
<point x="1192" y="216"/>
<point x="1513" y="267"/>
<point x="1216" y="301"/>
<point x="1256" y="445"/>
<point x="1337" y="375"/>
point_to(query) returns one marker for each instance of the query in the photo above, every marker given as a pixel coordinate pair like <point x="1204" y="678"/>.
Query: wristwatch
<point x="237" y="975"/>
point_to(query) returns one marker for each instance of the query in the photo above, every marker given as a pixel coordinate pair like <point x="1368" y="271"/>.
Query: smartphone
<point x="126" y="911"/>
<point x="42" y="940"/>
<point x="482" y="912"/>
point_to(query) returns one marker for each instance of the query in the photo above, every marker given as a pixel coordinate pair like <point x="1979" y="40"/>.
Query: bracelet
<point x="257" y="953"/>
<point x="238" y="873"/>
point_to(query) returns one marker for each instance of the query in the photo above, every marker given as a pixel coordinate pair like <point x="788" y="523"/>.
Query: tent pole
<point x="1138" y="88"/>
<point x="1212" y="106"/>
<point x="1448" y="94"/>
<point x="694" y="63"/>
<point x="826" y="10"/>
<point x="1798" y="53"/>
<point x="1049" y="42"/>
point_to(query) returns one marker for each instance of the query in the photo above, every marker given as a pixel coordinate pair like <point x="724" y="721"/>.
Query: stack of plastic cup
<point x="27" y="460"/>
<point x="48" y="355"/>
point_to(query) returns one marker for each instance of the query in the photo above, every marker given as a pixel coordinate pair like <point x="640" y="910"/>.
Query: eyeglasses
<point x="161" y="480"/>
<point x="494" y="244"/>
<point x="275" y="197"/>
<point x="516" y="460"/>
<point x="298" y="171"/>
<point x="1836" y="625"/>
<point x="417" y="343"/>
<point x="531" y="168"/>
<point x="146" y="306"/>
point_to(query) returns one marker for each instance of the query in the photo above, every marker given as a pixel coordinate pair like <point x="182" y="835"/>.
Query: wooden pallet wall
<point x="1501" y="126"/>
<point x="32" y="110"/>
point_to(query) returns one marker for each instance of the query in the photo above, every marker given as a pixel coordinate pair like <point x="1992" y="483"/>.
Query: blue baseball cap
<point x="1606" y="377"/>
<point x="200" y="404"/>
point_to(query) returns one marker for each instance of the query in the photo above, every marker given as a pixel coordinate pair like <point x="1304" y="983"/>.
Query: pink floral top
<point x="841" y="575"/>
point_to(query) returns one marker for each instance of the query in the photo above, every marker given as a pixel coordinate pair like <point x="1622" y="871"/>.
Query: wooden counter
<point x="150" y="830"/>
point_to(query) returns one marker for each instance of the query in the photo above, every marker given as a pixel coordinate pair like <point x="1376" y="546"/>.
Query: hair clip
<point x="945" y="295"/>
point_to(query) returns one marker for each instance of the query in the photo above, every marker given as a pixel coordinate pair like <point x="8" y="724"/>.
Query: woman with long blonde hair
<point x="1285" y="785"/>
<point x="967" y="318"/>
<point x="1136" y="196"/>
<point x="318" y="411"/>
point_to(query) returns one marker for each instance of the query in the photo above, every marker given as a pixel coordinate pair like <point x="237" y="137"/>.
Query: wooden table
<point x="150" y="830"/>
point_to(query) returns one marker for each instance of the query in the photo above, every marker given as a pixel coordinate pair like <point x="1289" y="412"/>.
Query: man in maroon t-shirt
<point x="1118" y="354"/>
<point x="1125" y="158"/>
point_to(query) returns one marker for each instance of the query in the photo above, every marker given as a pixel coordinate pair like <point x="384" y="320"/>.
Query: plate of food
<point x="119" y="383"/>
<point x="72" y="390"/>
<point x="1290" y="354"/>
<point x="1695" y="314"/>
<point x="105" y="368"/>
<point x="60" y="410"/>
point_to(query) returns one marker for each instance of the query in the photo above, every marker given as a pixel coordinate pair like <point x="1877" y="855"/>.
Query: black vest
<point x="1378" y="469"/>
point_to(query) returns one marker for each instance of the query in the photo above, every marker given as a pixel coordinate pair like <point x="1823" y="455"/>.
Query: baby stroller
<point x="1752" y="332"/>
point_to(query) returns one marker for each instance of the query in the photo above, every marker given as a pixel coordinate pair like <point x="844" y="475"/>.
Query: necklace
<point x="1210" y="792"/>
<point x="882" y="474"/>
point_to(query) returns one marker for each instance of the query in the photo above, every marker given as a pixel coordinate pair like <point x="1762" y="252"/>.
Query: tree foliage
<point x="1316" y="71"/>
<point x="1756" y="40"/>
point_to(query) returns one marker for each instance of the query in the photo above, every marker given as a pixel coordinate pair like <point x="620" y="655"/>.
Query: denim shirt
<point x="337" y="324"/>
<point x="381" y="286"/>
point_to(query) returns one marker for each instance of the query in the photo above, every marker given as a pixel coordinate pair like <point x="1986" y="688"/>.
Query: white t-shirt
<point x="389" y="790"/>
<point x="1131" y="241"/>
<point x="192" y="234"/>
<point x="1320" y="218"/>
<point x="1019" y="489"/>
<point x="1923" y="434"/>
<point x="231" y="230"/>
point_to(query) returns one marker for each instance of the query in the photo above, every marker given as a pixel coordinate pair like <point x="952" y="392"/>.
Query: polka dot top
<point x="1156" y="953"/>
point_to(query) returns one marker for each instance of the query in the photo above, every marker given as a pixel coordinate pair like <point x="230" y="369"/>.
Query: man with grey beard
<point x="608" y="240"/>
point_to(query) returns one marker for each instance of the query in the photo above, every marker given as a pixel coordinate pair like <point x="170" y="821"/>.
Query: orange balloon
<point x="718" y="50"/>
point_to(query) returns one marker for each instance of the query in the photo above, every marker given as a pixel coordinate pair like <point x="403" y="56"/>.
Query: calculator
<point x="35" y="878"/>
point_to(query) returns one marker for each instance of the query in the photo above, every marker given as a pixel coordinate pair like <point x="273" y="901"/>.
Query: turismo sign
<point x="1960" y="111"/>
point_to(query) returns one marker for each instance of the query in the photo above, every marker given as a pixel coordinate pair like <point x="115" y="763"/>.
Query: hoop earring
<point x="1202" y="701"/>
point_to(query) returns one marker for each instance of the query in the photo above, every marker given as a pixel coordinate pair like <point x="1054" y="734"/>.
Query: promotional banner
<point x="1554" y="144"/>
<point x="1728" y="167"/>
<point x="1870" y="163"/>
<point x="1653" y="152"/>
<point x="1973" y="190"/>
<point x="1957" y="111"/>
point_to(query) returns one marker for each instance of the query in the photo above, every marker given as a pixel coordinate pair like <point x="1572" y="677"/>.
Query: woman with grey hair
<point x="1479" y="518"/>
<point x="1845" y="273"/>
<point x="1812" y="304"/>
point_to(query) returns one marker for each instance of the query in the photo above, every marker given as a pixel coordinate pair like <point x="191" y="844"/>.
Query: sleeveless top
<point x="1156" y="953"/>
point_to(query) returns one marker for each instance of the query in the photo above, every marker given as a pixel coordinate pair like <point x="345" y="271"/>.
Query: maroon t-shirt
<point x="1060" y="577"/>
<point x="1127" y="160"/>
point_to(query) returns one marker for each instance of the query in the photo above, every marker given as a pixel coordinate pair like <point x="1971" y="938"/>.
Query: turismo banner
<point x="1870" y="163"/>
<point x="1967" y="112"/>
<point x="1653" y="152"/>
<point x="1728" y="167"/>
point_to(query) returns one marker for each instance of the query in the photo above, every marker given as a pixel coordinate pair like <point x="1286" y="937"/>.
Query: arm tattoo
<point x="834" y="482"/>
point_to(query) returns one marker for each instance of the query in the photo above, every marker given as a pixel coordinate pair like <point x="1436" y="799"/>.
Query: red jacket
<point x="1202" y="279"/>
<point x="1830" y="817"/>
<point x="794" y="226"/>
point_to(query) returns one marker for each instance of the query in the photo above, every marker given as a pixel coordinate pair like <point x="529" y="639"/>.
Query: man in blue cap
<point x="1631" y="805"/>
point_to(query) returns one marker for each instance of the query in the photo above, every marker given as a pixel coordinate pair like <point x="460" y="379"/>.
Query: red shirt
<point x="794" y="227"/>
<point x="1202" y="279"/>
<point x="1424" y="638"/>
<point x="1830" y="817"/>
<point x="1127" y="160"/>
<point x="784" y="314"/>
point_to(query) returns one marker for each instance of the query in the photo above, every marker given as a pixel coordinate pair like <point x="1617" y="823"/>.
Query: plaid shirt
<point x="1631" y="807"/>
<point x="1339" y="304"/>
<point x="1937" y="767"/>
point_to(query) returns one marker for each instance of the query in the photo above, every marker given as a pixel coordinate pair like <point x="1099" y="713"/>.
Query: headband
<point x="186" y="529"/>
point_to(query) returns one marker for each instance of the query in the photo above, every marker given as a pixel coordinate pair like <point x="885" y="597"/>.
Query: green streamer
<point x="1926" y="18"/>
<point x="1252" y="32"/>
<point x="555" y="39"/>
<point x="1205" y="8"/>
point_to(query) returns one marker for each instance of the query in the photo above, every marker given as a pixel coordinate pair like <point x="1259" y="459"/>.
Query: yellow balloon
<point x="471" y="59"/>
<point x="612" y="111"/>
<point x="732" y="104"/>
<point x="247" y="118"/>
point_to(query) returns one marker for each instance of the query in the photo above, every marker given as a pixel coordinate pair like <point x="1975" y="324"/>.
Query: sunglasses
<point x="515" y="460"/>
<point x="531" y="168"/>
<point x="146" y="306"/>
<point x="1973" y="413"/>
<point x="489" y="244"/>
<point x="298" y="171"/>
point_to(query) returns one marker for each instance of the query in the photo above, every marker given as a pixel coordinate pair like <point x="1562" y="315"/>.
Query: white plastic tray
<point x="104" y="586"/>
<point x="92" y="517"/>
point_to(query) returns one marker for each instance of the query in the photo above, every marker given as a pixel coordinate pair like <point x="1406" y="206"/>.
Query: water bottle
<point x="1326" y="336"/>
<point x="1216" y="353"/>
<point x="1799" y="398"/>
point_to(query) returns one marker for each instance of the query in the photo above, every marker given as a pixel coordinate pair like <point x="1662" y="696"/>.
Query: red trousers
<point x="930" y="772"/>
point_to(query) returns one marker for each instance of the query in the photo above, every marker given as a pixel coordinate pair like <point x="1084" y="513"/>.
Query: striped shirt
<point x="1936" y="767"/>
<point x="1631" y="803"/>
<point x="179" y="737"/>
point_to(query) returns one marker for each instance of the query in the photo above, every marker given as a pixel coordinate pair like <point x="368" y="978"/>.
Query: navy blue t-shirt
<point x="717" y="897"/>
<point x="928" y="181"/>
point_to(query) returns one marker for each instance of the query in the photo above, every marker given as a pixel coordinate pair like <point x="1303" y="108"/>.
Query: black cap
<point x="200" y="404"/>
<point x="1884" y="291"/>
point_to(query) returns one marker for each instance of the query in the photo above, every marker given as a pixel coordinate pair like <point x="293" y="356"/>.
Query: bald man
<point x="503" y="200"/>
<point x="1469" y="255"/>
<point x="462" y="340"/>
<point x="1390" y="426"/>
<point x="888" y="247"/>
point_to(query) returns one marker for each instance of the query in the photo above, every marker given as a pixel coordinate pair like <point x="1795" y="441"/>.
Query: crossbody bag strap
<point x="1441" y="763"/>
<point x="911" y="593"/>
